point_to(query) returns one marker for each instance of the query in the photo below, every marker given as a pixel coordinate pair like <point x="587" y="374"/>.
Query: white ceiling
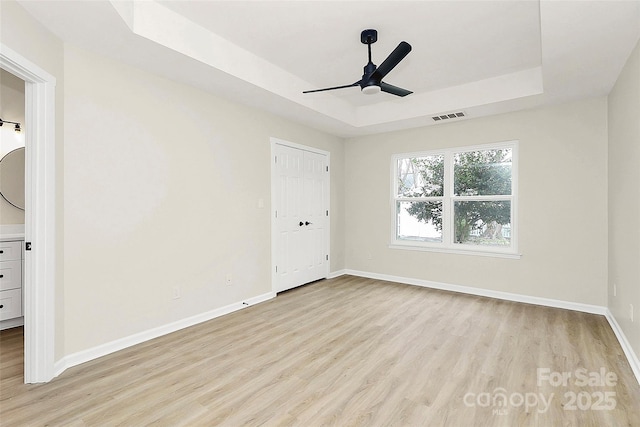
<point x="480" y="57"/>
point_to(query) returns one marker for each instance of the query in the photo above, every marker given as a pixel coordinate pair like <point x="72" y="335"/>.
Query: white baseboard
<point x="338" y="273"/>
<point x="11" y="323"/>
<point x="624" y="343"/>
<point x="547" y="302"/>
<point x="122" y="343"/>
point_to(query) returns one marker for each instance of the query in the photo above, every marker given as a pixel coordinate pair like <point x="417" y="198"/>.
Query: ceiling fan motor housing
<point x="369" y="84"/>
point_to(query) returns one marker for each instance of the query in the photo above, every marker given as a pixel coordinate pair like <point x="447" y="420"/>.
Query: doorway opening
<point x="39" y="228"/>
<point x="12" y="201"/>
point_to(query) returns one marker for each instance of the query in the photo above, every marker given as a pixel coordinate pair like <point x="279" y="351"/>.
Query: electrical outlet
<point x="175" y="292"/>
<point x="229" y="279"/>
<point x="631" y="311"/>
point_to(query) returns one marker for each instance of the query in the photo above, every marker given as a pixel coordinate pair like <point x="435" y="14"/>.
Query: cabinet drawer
<point x="10" y="275"/>
<point x="10" y="304"/>
<point x="10" y="251"/>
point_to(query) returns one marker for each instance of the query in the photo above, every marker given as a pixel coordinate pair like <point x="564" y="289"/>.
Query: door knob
<point x="307" y="223"/>
<point x="301" y="223"/>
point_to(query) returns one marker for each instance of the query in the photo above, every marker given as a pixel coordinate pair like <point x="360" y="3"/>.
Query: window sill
<point x="496" y="254"/>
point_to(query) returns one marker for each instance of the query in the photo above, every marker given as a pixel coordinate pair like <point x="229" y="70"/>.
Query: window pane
<point x="421" y="176"/>
<point x="419" y="221"/>
<point x="483" y="223"/>
<point x="482" y="173"/>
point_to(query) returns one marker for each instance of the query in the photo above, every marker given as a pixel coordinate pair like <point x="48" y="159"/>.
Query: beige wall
<point x="162" y="183"/>
<point x="12" y="109"/>
<point x="562" y="213"/>
<point x="26" y="36"/>
<point x="624" y="199"/>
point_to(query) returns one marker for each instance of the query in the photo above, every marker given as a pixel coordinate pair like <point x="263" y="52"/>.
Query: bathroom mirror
<point x="12" y="177"/>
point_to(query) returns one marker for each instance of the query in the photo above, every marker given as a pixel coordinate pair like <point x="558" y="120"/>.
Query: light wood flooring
<point x="345" y="352"/>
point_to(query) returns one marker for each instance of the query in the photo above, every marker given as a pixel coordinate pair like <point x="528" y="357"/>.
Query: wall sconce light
<point x="17" y="127"/>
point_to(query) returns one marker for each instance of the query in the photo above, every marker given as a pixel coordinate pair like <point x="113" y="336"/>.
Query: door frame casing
<point x="40" y="201"/>
<point x="274" y="142"/>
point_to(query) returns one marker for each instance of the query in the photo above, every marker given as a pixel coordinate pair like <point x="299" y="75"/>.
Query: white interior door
<point x="301" y="224"/>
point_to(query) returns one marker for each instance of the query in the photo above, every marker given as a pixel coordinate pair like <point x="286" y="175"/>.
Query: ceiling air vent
<point x="448" y="116"/>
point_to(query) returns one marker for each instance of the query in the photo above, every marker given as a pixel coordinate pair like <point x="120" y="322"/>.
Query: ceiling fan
<point x="371" y="81"/>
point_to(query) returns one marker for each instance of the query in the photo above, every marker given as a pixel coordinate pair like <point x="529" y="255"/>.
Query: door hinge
<point x="327" y="168"/>
<point x="276" y="214"/>
<point x="327" y="213"/>
<point x="27" y="246"/>
<point x="276" y="159"/>
<point x="327" y="257"/>
<point x="276" y="268"/>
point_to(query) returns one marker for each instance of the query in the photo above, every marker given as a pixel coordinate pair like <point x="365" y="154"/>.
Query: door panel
<point x="288" y="168"/>
<point x="315" y="175"/>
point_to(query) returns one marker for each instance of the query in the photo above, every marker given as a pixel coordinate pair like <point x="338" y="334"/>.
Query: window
<point x="460" y="200"/>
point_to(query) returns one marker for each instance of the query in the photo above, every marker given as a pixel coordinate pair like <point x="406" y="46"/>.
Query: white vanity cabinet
<point x="11" y="255"/>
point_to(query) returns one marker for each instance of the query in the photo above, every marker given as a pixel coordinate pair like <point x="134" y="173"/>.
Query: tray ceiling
<point x="478" y="57"/>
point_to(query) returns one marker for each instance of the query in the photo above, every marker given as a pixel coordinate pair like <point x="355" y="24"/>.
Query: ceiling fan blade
<point x="392" y="60"/>
<point x="394" y="90"/>
<point x="332" y="88"/>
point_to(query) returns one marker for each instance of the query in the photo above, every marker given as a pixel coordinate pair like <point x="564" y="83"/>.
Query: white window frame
<point x="447" y="245"/>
